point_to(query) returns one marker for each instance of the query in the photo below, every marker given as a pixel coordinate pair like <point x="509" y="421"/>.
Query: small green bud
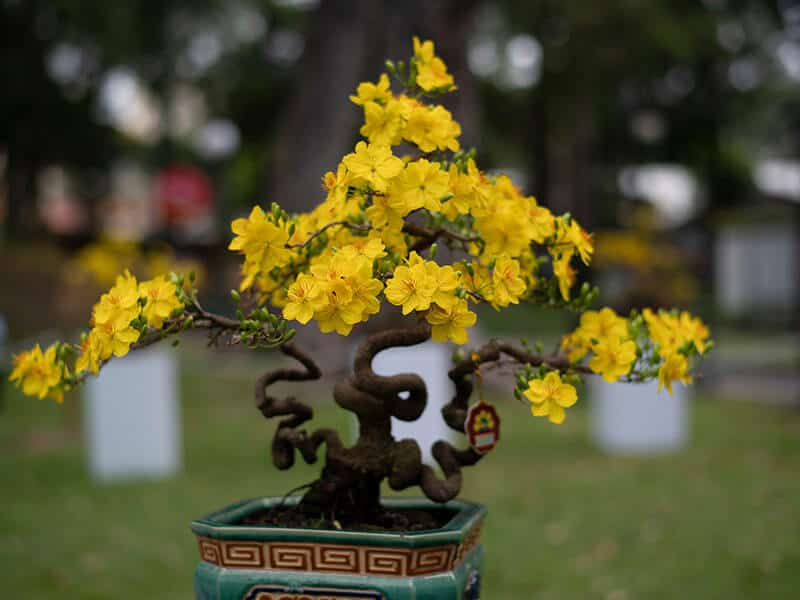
<point x="433" y="250"/>
<point x="237" y="297"/>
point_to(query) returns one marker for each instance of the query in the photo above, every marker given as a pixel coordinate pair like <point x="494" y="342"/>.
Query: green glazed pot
<point x="243" y="562"/>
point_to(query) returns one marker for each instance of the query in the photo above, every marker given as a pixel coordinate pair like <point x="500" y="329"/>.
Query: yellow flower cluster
<point x="672" y="333"/>
<point x="431" y="71"/>
<point x="263" y="243"/>
<point x="373" y="192"/>
<point x="615" y="349"/>
<point x="119" y="319"/>
<point x="339" y="291"/>
<point x="549" y="396"/>
<point x="423" y="286"/>
<point x="40" y="373"/>
<point x="607" y="336"/>
<point x="113" y="317"/>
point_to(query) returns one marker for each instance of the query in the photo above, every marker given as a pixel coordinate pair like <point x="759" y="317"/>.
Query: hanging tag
<point x="483" y="423"/>
<point x="482" y="427"/>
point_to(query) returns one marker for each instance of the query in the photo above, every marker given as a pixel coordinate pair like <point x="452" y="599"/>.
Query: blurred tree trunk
<point x="348" y="43"/>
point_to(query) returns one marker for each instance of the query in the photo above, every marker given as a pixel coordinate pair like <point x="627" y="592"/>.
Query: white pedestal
<point x="756" y="269"/>
<point x="636" y="419"/>
<point x="131" y="417"/>
<point x="431" y="361"/>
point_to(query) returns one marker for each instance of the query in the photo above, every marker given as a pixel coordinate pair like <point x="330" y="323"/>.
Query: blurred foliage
<point x="622" y="82"/>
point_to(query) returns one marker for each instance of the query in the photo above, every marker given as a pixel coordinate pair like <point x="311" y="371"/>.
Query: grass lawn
<point x="720" y="520"/>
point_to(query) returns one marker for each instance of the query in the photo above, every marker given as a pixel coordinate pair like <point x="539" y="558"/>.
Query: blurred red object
<point x="184" y="192"/>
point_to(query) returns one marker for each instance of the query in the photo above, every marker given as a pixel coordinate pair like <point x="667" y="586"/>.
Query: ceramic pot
<point x="243" y="562"/>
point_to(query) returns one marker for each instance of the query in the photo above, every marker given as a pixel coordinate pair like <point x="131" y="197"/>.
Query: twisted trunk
<point x="351" y="479"/>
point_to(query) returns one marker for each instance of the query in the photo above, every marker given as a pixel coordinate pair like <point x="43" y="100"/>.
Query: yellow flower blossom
<point x="508" y="285"/>
<point x="91" y="352"/>
<point x="40" y="373"/>
<point x="374" y="163"/>
<point x="550" y="396"/>
<point x="338" y="311"/>
<point x="383" y="124"/>
<point x="603" y="324"/>
<point x="468" y="189"/>
<point x="387" y="210"/>
<point x="162" y="300"/>
<point x="432" y="128"/>
<point x="674" y="368"/>
<point x="431" y="71"/>
<point x="120" y="302"/>
<point x="502" y="224"/>
<point x="262" y="242"/>
<point x="373" y="92"/>
<point x="582" y="241"/>
<point x="420" y="185"/>
<point x="411" y="287"/>
<point x="451" y="323"/>
<point x="115" y="337"/>
<point x="564" y="273"/>
<point x="302" y="299"/>
<point x="613" y="358"/>
<point x="694" y="330"/>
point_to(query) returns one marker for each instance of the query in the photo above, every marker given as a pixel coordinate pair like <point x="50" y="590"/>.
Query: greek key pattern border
<point x="337" y="558"/>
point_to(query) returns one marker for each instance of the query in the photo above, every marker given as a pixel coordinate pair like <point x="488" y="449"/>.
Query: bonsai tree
<point x="426" y="231"/>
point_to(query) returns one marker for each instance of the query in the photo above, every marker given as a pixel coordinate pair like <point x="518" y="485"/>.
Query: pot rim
<point x="220" y="524"/>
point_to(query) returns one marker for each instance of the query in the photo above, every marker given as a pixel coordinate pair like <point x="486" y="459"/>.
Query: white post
<point x="131" y="416"/>
<point x="636" y="419"/>
<point x="431" y="361"/>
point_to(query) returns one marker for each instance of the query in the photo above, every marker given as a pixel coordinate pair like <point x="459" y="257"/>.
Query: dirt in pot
<point x="385" y="520"/>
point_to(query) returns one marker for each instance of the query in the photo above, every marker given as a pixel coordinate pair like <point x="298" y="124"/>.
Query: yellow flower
<point x="613" y="358"/>
<point x="40" y="374"/>
<point x="432" y="128"/>
<point x="90" y="356"/>
<point x="162" y="300"/>
<point x="262" y="242"/>
<point x="549" y="397"/>
<point x="603" y="324"/>
<point x="446" y="280"/>
<point x="115" y="337"/>
<point x="468" y="191"/>
<point x="338" y="311"/>
<point x="674" y="368"/>
<point x="302" y="299"/>
<point x="564" y="273"/>
<point x="595" y="326"/>
<point x="541" y="220"/>
<point x="374" y="163"/>
<point x="508" y="285"/>
<point x="451" y="323"/>
<point x="383" y="124"/>
<point x="411" y="287"/>
<point x="502" y="224"/>
<point x="373" y="92"/>
<point x="693" y="329"/>
<point x="582" y="241"/>
<point x="120" y="302"/>
<point x="479" y="282"/>
<point x="431" y="71"/>
<point x="421" y="184"/>
<point x="386" y="211"/>
<point x="371" y="247"/>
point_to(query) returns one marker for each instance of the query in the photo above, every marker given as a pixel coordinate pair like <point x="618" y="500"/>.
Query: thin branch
<point x="321" y="230"/>
<point x="429" y="236"/>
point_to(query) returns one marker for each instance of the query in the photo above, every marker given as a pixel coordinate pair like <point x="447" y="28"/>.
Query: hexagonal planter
<point x="243" y="562"/>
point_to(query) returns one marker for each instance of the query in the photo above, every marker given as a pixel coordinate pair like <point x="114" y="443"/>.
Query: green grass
<point x="719" y="520"/>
